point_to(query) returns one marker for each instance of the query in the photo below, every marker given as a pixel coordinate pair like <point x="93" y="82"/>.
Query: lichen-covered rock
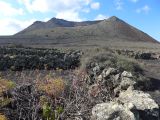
<point x="113" y="111"/>
<point x="130" y="105"/>
<point x="109" y="71"/>
<point x="148" y="109"/>
<point x="126" y="74"/>
<point x="126" y="83"/>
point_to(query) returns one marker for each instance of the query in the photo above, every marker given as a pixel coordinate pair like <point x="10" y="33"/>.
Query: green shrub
<point x="5" y="101"/>
<point x="5" y="85"/>
<point x="116" y="61"/>
<point x="127" y="65"/>
<point x="48" y="113"/>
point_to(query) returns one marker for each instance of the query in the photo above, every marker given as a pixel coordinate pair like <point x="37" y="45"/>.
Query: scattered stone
<point x="127" y="74"/>
<point x="117" y="77"/>
<point x="96" y="69"/>
<point x="99" y="78"/>
<point x="108" y="72"/>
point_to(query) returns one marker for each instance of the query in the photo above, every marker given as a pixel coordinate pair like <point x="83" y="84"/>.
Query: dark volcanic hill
<point x="54" y="22"/>
<point x="89" y="33"/>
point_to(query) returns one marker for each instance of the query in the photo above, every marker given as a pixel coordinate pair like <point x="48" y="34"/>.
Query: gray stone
<point x="109" y="71"/>
<point x="126" y="83"/>
<point x="147" y="107"/>
<point x="96" y="69"/>
<point x="113" y="111"/>
<point x="99" y="79"/>
<point x="127" y="74"/>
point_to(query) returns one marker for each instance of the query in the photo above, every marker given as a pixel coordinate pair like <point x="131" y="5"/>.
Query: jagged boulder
<point x="148" y="109"/>
<point x="115" y="79"/>
<point x="130" y="105"/>
<point x="123" y="84"/>
<point x="114" y="111"/>
<point x="106" y="73"/>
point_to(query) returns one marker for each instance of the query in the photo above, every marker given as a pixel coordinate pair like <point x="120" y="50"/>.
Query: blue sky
<point x="16" y="15"/>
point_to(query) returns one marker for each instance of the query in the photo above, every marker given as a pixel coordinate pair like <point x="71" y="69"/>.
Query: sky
<point x="15" y="15"/>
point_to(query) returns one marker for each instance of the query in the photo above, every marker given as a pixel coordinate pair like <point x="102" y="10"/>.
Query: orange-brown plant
<point x="3" y="117"/>
<point x="52" y="86"/>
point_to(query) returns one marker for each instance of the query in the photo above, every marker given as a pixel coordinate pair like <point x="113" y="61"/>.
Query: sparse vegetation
<point x="104" y="60"/>
<point x="65" y="72"/>
<point x="127" y="64"/>
<point x="69" y="93"/>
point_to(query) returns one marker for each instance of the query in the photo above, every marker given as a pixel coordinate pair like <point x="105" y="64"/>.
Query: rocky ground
<point x="78" y="85"/>
<point x="21" y="58"/>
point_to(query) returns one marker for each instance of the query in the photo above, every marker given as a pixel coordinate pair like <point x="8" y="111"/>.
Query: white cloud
<point x="118" y="4"/>
<point x="144" y="9"/>
<point x="36" y="5"/>
<point x="10" y="26"/>
<point x="54" y="6"/>
<point x="135" y="1"/>
<point x="101" y="17"/>
<point x="60" y="8"/>
<point x="8" y="10"/>
<point x="95" y="5"/>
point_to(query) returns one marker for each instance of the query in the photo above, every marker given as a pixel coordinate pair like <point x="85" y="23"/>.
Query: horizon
<point x="19" y="14"/>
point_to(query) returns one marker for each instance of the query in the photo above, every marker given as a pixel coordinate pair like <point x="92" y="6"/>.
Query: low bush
<point x="51" y="86"/>
<point x="104" y="60"/>
<point x="5" y="101"/>
<point x="128" y="64"/>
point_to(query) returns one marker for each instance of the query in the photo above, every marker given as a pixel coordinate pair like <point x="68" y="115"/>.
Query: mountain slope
<point x="61" y="33"/>
<point x="111" y="29"/>
<point x="53" y="23"/>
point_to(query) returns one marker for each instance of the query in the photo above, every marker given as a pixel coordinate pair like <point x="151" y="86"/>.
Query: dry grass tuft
<point x="52" y="86"/>
<point x="3" y="117"/>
